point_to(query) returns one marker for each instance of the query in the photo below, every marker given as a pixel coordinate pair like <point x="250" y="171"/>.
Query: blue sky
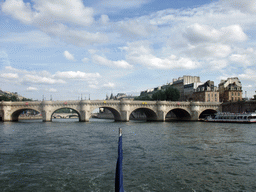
<point x="66" y="49"/>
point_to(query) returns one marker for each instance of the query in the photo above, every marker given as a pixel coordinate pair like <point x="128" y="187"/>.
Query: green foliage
<point x="173" y="94"/>
<point x="4" y="98"/>
<point x="26" y="99"/>
<point x="170" y="94"/>
<point x="159" y="95"/>
<point x="12" y="98"/>
<point x="143" y="98"/>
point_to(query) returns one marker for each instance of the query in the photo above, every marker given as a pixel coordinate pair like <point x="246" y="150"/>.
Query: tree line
<point x="12" y="98"/>
<point x="169" y="94"/>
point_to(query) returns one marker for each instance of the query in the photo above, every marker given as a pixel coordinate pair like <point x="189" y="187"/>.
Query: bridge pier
<point x="6" y="112"/>
<point x="195" y="111"/>
<point x="161" y="116"/>
<point x="125" y="110"/>
<point x="125" y="116"/>
<point x="46" y="116"/>
<point x="85" y="110"/>
<point x="161" y="110"/>
<point x="85" y="116"/>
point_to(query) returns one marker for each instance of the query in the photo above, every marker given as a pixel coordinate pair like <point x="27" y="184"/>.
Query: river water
<point x="67" y="155"/>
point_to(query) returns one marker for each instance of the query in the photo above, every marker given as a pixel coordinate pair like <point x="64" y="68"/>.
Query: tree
<point x="14" y="98"/>
<point x="159" y="95"/>
<point x="26" y="99"/>
<point x="170" y="94"/>
<point x="143" y="98"/>
<point x="4" y="98"/>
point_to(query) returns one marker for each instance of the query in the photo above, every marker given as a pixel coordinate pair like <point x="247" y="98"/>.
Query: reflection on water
<point x="66" y="155"/>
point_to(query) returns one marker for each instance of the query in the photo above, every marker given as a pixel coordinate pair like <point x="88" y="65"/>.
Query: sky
<point x="66" y="50"/>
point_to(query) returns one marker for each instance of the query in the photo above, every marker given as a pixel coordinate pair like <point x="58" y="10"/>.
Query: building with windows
<point x="206" y="92"/>
<point x="181" y="82"/>
<point x="230" y="90"/>
<point x="189" y="89"/>
<point x="178" y="84"/>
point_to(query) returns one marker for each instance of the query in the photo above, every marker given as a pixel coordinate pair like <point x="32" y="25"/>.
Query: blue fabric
<point x="119" y="173"/>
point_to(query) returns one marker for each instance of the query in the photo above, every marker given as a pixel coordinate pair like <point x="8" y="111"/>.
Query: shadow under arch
<point x="65" y="115"/>
<point x="108" y="113"/>
<point x="15" y="115"/>
<point x="178" y="114"/>
<point x="143" y="114"/>
<point x="206" y="113"/>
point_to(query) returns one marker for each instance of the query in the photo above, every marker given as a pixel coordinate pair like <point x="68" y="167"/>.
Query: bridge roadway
<point x="121" y="109"/>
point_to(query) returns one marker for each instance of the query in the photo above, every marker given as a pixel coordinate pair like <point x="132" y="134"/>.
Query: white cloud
<point x="9" y="68"/>
<point x="243" y="5"/>
<point x="54" y="17"/>
<point x="9" y="75"/>
<point x="238" y="58"/>
<point x="141" y="53"/>
<point x="32" y="89"/>
<point x="248" y="86"/>
<point x="85" y="60"/>
<point x="109" y="85"/>
<point x="35" y="38"/>
<point x="67" y="11"/>
<point x="4" y="59"/>
<point x="51" y="90"/>
<point x="243" y="57"/>
<point x="104" y="19"/>
<point x="69" y="56"/>
<point x="103" y="61"/>
<point x="76" y="37"/>
<point x="41" y="80"/>
<point x="210" y="50"/>
<point x="47" y="11"/>
<point x="136" y="28"/>
<point x="249" y="74"/>
<point x="124" y="4"/>
<point x="19" y="10"/>
<point x="216" y="64"/>
<point x="197" y="33"/>
<point x="76" y="75"/>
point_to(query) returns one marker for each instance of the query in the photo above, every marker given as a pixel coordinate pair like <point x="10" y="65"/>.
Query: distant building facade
<point x="230" y="90"/>
<point x="206" y="92"/>
<point x="181" y="82"/>
<point x="178" y="84"/>
<point x="119" y="96"/>
<point x="189" y="90"/>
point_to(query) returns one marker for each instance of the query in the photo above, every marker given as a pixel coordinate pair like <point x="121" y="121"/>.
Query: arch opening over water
<point x="177" y="114"/>
<point x="25" y="114"/>
<point x="66" y="113"/>
<point x="206" y="113"/>
<point x="107" y="113"/>
<point x="143" y="114"/>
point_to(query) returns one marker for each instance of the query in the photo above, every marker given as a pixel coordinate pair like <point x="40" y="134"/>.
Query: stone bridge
<point x="121" y="109"/>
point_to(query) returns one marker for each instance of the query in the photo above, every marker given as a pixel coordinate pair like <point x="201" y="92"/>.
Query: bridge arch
<point x="206" y="113"/>
<point x="178" y="114"/>
<point x="15" y="114"/>
<point x="115" y="112"/>
<point x="149" y="114"/>
<point x="73" y="109"/>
